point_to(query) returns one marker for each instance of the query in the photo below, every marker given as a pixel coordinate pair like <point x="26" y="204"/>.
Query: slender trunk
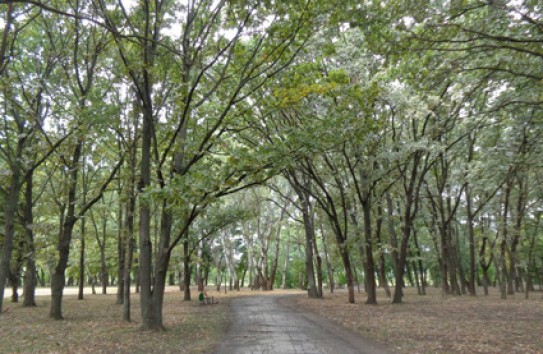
<point x="529" y="286"/>
<point x="459" y="261"/>
<point x="186" y="267"/>
<point x="370" y="265"/>
<point x="471" y="238"/>
<point x="328" y="263"/>
<point x="393" y="239"/>
<point x="451" y="247"/>
<point x="84" y="182"/>
<point x="146" y="247"/>
<point x="199" y="266"/>
<point x="10" y="209"/>
<point x="503" y="243"/>
<point x="250" y="264"/>
<point x="312" y="291"/>
<point x="348" y="272"/>
<point x="381" y="271"/>
<point x="57" y="278"/>
<point x="30" y="273"/>
<point x="121" y="254"/>
<point x="515" y="281"/>
<point x="276" y="258"/>
<point x="319" y="269"/>
<point x="129" y="239"/>
<point x="408" y="219"/>
<point x="310" y="272"/>
<point x="103" y="266"/>
<point x="420" y="272"/>
<point x="285" y="265"/>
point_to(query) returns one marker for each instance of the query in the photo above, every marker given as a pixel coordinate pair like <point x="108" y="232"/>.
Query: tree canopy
<point x="270" y="143"/>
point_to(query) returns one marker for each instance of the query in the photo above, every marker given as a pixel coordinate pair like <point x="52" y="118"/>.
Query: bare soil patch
<point x="422" y="324"/>
<point x="95" y="325"/>
<point x="437" y="324"/>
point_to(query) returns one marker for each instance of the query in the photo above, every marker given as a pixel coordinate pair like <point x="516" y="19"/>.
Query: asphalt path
<point x="262" y="324"/>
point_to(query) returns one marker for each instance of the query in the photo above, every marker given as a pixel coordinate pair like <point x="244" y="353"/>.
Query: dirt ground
<point x="95" y="325"/>
<point x="437" y="324"/>
<point x="422" y="324"/>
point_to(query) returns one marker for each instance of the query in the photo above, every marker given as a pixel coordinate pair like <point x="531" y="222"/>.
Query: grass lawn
<point x="437" y="324"/>
<point x="95" y="325"/>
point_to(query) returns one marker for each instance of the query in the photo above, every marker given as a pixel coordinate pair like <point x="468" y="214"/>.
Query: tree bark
<point x="57" y="278"/>
<point x="303" y="195"/>
<point x="381" y="270"/>
<point x="471" y="241"/>
<point x="287" y="255"/>
<point x="30" y="273"/>
<point x="328" y="263"/>
<point x="10" y="209"/>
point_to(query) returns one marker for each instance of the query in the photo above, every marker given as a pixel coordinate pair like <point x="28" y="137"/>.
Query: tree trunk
<point x="451" y="247"/>
<point x="369" y="262"/>
<point x="10" y="209"/>
<point x="57" y="279"/>
<point x="186" y="267"/>
<point x="121" y="254"/>
<point x="348" y="272"/>
<point x="504" y="239"/>
<point x="276" y="258"/>
<point x="381" y="272"/>
<point x="319" y="269"/>
<point x="394" y="242"/>
<point x="515" y="281"/>
<point x="103" y="266"/>
<point x="420" y="272"/>
<point x="312" y="291"/>
<point x="471" y="238"/>
<point x="149" y="320"/>
<point x="328" y="263"/>
<point x="199" y="266"/>
<point x="30" y="273"/>
<point x="287" y="255"/>
<point x="129" y="239"/>
<point x="81" y="283"/>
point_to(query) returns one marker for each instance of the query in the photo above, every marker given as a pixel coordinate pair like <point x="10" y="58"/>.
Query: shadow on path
<point x="260" y="324"/>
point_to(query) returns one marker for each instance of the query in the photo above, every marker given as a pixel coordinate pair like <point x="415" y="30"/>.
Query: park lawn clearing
<point x="95" y="325"/>
<point x="437" y="324"/>
<point x="422" y="324"/>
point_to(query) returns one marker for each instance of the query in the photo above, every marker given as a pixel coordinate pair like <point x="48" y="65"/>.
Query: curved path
<point x="260" y="324"/>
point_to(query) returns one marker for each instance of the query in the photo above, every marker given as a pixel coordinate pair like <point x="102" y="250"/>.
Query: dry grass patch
<point x="95" y="325"/>
<point x="437" y="324"/>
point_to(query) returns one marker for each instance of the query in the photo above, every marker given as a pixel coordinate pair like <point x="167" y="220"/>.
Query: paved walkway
<point x="262" y="325"/>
